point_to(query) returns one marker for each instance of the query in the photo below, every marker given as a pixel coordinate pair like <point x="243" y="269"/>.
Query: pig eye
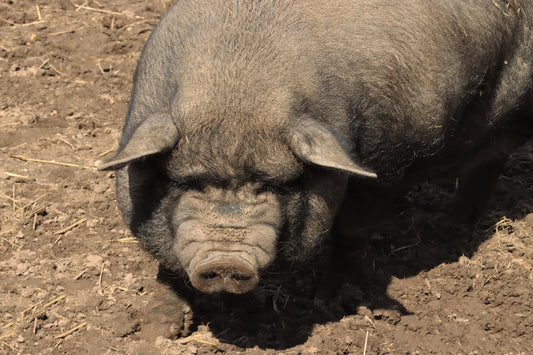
<point x="265" y="188"/>
<point x="197" y="185"/>
<point x="190" y="184"/>
<point x="277" y="189"/>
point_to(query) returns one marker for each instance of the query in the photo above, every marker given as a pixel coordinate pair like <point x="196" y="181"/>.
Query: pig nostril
<point x="240" y="277"/>
<point x="209" y="275"/>
<point x="224" y="274"/>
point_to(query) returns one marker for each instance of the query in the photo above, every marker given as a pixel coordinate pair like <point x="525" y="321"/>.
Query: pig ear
<point x="156" y="134"/>
<point x="313" y="143"/>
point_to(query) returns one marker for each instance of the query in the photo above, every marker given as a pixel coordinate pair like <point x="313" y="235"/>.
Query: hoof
<point x="167" y="315"/>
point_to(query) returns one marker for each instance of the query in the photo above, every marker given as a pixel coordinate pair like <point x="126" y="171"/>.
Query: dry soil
<point x="73" y="280"/>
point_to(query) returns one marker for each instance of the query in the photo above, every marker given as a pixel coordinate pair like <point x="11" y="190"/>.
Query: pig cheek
<point x="190" y="238"/>
<point x="317" y="223"/>
<point x="314" y="218"/>
<point x="319" y="220"/>
<point x="325" y="192"/>
<point x="265" y="238"/>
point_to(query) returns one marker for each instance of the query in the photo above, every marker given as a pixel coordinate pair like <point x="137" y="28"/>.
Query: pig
<point x="251" y="122"/>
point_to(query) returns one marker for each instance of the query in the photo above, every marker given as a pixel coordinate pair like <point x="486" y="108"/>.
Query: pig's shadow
<point x="283" y="312"/>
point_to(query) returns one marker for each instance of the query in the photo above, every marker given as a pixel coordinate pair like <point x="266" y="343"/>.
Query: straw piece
<point x="371" y="322"/>
<point x="16" y="175"/>
<point x="106" y="152"/>
<point x="81" y="273"/>
<point x="70" y="227"/>
<point x="20" y="157"/>
<point x="27" y="309"/>
<point x="13" y="199"/>
<point x="8" y="242"/>
<point x="366" y="342"/>
<point x="54" y="301"/>
<point x="6" y="335"/>
<point x="10" y="124"/>
<point x="66" y="31"/>
<point x="39" y="17"/>
<point x="196" y="338"/>
<point x="127" y="240"/>
<point x="8" y="198"/>
<point x="12" y="348"/>
<point x="43" y="309"/>
<point x="99" y="10"/>
<point x="206" y="342"/>
<point x="29" y="203"/>
<point x="18" y="146"/>
<point x="60" y="336"/>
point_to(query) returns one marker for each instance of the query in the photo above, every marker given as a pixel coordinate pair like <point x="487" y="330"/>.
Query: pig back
<point x="398" y="82"/>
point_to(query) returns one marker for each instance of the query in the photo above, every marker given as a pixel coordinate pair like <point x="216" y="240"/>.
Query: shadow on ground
<point x="284" y="310"/>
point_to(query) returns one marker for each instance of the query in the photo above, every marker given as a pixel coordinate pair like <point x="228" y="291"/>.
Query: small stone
<point x="94" y="260"/>
<point x="26" y="292"/>
<point x="364" y="311"/>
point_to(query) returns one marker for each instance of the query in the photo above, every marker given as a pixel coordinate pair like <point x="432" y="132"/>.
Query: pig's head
<point x="220" y="201"/>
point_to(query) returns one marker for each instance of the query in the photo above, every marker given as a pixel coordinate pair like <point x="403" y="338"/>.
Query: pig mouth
<point x="224" y="272"/>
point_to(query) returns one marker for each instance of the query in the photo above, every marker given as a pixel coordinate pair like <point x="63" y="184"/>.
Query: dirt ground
<point x="73" y="280"/>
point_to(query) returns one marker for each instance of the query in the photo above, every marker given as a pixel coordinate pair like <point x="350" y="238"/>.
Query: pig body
<point x="249" y="120"/>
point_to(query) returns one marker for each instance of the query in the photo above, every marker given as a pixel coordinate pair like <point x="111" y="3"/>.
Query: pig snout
<point x="224" y="273"/>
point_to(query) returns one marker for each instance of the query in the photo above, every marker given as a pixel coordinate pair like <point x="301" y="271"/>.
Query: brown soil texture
<point x="73" y="280"/>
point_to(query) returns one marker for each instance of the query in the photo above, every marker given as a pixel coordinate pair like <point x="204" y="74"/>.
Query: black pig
<point x="249" y="121"/>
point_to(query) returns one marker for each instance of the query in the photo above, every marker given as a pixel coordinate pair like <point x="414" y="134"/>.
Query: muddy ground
<point x="73" y="280"/>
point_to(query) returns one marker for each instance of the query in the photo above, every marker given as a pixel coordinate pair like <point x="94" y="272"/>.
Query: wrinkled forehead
<point x="233" y="132"/>
<point x="233" y="156"/>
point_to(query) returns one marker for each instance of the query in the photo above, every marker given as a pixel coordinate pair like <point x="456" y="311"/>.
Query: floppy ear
<point x="154" y="135"/>
<point x="313" y="143"/>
